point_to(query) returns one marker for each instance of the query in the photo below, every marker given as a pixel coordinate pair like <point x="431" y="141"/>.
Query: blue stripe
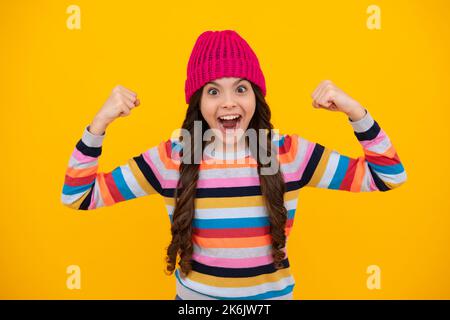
<point x="269" y="294"/>
<point x="236" y="222"/>
<point x="340" y="172"/>
<point x="266" y="295"/>
<point x="281" y="141"/>
<point x="176" y="146"/>
<point x="389" y="169"/>
<point x="69" y="190"/>
<point x="121" y="184"/>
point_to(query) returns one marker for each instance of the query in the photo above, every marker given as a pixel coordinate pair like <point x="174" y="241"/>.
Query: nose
<point x="228" y="106"/>
<point x="229" y="101"/>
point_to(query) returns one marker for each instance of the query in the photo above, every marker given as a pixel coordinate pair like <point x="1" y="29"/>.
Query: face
<point x="228" y="104"/>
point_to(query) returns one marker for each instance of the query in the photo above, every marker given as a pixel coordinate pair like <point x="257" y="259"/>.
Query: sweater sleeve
<point x="85" y="188"/>
<point x="378" y="169"/>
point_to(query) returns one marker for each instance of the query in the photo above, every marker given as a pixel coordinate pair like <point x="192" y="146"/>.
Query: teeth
<point x="229" y="117"/>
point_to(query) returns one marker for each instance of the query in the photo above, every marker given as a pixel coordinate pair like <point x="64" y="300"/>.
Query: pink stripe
<point x="294" y="176"/>
<point x="81" y="158"/>
<point x="209" y="183"/>
<point x="93" y="203"/>
<point x="232" y="262"/>
<point x="368" y="175"/>
<point x="372" y="183"/>
<point x="228" y="182"/>
<point x="377" y="140"/>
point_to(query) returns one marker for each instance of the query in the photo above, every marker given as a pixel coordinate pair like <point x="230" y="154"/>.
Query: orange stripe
<point x="287" y="231"/>
<point x="282" y="159"/>
<point x="235" y="242"/>
<point x="104" y="192"/>
<point x="75" y="173"/>
<point x="290" y="155"/>
<point x="169" y="163"/>
<point x="390" y="152"/>
<point x="239" y="281"/>
<point x="172" y="164"/>
<point x="232" y="242"/>
<point x="359" y="175"/>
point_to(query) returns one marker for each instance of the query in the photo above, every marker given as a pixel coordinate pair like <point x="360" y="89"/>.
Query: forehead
<point x="226" y="81"/>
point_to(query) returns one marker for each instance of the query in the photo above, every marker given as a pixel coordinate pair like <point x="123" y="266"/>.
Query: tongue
<point x="229" y="124"/>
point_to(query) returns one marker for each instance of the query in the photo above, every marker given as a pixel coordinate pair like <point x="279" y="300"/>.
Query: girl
<point x="230" y="220"/>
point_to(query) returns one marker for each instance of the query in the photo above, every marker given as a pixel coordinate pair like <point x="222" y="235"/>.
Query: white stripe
<point x="328" y="175"/>
<point x="299" y="157"/>
<point x="69" y="199"/>
<point x="131" y="181"/>
<point x="381" y="147"/>
<point x="92" y="140"/>
<point x="234" y="252"/>
<point x="74" y="163"/>
<point x="166" y="174"/>
<point x="97" y="195"/>
<point x="392" y="178"/>
<point x="245" y="172"/>
<point x="187" y="294"/>
<point x="363" y="124"/>
<point x="238" y="212"/>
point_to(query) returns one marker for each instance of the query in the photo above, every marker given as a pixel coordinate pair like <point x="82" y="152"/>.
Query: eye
<point x="241" y="86"/>
<point x="209" y="90"/>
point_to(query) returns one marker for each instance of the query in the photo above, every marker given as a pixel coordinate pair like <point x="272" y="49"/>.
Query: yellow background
<point x="53" y="81"/>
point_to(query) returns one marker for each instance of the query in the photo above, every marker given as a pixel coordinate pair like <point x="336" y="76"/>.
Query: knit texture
<point x="232" y="242"/>
<point x="218" y="54"/>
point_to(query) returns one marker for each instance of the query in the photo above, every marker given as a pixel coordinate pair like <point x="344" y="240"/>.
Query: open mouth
<point x="229" y="122"/>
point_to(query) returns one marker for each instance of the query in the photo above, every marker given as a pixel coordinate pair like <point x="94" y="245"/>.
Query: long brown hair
<point x="272" y="188"/>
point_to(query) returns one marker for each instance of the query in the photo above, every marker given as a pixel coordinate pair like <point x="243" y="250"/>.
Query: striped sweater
<point x="231" y="236"/>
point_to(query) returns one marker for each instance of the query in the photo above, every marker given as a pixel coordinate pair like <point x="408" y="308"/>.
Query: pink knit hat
<point x="218" y="54"/>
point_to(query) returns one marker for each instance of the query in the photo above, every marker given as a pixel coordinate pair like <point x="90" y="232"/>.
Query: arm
<point x="378" y="169"/>
<point x="85" y="188"/>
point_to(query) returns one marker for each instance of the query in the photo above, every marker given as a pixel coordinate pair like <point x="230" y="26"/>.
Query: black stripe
<point x="228" y="192"/>
<point x="245" y="191"/>
<point x="292" y="185"/>
<point x="369" y="134"/>
<point x="312" y="164"/>
<point x="219" y="192"/>
<point x="148" y="173"/>
<point x="236" y="272"/>
<point x="378" y="182"/>
<point x="87" y="201"/>
<point x="88" y="151"/>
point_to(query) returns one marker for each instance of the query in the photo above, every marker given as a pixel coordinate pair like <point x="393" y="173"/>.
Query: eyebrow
<point x="236" y="82"/>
